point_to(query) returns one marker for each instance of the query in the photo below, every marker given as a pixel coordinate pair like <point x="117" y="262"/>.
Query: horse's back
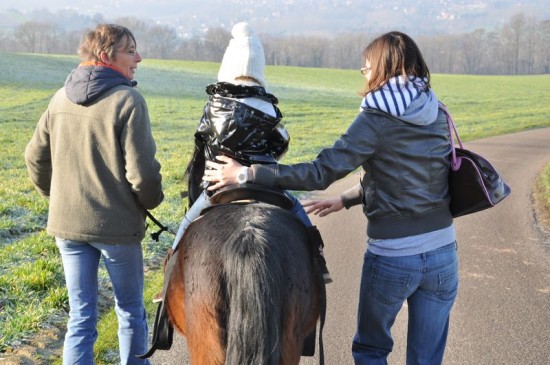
<point x="247" y="275"/>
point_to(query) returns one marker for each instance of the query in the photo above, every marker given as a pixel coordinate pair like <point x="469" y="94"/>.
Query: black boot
<point x="317" y="244"/>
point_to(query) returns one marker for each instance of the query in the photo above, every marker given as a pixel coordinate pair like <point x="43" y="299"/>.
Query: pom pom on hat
<point x="244" y="56"/>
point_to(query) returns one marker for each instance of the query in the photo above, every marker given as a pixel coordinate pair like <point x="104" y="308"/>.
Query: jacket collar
<point x="91" y="79"/>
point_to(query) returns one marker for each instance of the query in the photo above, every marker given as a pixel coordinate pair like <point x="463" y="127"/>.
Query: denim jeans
<point x="124" y="263"/>
<point x="298" y="211"/>
<point x="203" y="202"/>
<point x="429" y="284"/>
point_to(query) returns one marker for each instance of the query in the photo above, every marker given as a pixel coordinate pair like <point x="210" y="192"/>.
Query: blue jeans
<point x="203" y="202"/>
<point x="124" y="263"/>
<point x="298" y="210"/>
<point x="429" y="284"/>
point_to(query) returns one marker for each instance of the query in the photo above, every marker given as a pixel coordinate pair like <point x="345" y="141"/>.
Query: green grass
<point x="543" y="186"/>
<point x="317" y="104"/>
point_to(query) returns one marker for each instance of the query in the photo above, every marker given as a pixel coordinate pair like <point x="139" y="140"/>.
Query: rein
<point x="155" y="235"/>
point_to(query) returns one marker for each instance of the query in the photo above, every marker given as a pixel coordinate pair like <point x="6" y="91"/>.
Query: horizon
<point x="293" y="17"/>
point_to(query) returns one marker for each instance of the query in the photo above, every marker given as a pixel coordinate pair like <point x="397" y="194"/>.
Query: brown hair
<point x="393" y="54"/>
<point x="104" y="38"/>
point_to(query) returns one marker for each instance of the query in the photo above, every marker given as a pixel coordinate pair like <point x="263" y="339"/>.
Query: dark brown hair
<point x="104" y="38"/>
<point x="393" y="54"/>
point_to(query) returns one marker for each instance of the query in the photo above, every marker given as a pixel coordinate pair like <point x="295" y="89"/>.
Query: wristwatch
<point x="242" y="175"/>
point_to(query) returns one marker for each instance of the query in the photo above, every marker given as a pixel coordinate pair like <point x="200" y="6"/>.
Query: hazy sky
<point x="109" y="8"/>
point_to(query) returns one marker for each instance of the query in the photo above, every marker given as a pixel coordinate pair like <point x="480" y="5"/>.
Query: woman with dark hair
<point x="401" y="140"/>
<point x="93" y="156"/>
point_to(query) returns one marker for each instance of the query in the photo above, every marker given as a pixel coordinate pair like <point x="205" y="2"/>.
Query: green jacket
<point x="95" y="161"/>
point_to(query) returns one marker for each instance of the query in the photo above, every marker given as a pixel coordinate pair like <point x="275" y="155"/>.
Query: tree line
<point x="518" y="47"/>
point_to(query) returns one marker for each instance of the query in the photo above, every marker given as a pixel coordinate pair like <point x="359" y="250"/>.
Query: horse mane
<point x="257" y="259"/>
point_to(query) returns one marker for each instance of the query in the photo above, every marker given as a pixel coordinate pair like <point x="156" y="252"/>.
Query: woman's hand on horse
<point x="323" y="207"/>
<point x="221" y="174"/>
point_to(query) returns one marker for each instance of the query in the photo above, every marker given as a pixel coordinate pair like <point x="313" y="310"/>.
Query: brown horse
<point x="244" y="289"/>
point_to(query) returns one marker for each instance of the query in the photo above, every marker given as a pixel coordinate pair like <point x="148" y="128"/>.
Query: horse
<point x="245" y="288"/>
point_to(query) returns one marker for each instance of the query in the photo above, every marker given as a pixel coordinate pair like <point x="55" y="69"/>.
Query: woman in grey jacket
<point x="93" y="155"/>
<point x="401" y="140"/>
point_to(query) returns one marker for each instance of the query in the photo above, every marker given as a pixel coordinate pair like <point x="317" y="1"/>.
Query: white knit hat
<point x="244" y="56"/>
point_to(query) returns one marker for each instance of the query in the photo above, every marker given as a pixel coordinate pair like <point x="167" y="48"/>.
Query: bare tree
<point x="277" y="51"/>
<point x="187" y="49"/>
<point x="473" y="51"/>
<point x="513" y="35"/>
<point x="70" y="42"/>
<point x="28" y="34"/>
<point x="531" y="43"/>
<point x="346" y="50"/>
<point x="139" y="29"/>
<point x="542" y="54"/>
<point x="162" y="41"/>
<point x="215" y="43"/>
<point x="440" y="52"/>
<point x="6" y="43"/>
<point x="520" y="46"/>
<point x="51" y="36"/>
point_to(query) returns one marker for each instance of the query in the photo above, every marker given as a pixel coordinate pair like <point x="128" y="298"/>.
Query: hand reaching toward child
<point x="323" y="207"/>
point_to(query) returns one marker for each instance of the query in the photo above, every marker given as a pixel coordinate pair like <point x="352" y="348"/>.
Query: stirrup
<point x="163" y="333"/>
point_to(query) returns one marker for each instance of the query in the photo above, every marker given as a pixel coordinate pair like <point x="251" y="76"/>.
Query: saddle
<point x="232" y="194"/>
<point x="251" y="192"/>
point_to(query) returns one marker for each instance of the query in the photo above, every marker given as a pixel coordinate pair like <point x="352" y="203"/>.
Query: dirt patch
<point x="44" y="347"/>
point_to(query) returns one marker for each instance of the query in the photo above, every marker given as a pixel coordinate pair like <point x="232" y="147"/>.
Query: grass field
<point x="317" y="104"/>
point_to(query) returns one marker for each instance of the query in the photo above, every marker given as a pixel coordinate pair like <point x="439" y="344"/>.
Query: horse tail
<point x="256" y="270"/>
<point x="243" y="290"/>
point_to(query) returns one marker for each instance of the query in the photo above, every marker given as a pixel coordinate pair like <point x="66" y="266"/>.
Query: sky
<point x="109" y="8"/>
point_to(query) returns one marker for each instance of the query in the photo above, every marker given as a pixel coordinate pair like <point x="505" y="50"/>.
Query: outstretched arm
<point x="323" y="207"/>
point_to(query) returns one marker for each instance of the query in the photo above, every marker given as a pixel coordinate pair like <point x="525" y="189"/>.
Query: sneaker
<point x="157" y="298"/>
<point x="323" y="266"/>
<point x="326" y="277"/>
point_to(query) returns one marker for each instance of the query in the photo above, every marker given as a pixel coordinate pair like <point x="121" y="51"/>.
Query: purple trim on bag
<point x="457" y="161"/>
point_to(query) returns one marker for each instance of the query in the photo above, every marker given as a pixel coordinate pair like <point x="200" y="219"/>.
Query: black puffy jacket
<point x="235" y="129"/>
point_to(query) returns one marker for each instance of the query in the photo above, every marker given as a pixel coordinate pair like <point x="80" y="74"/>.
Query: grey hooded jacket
<point x="93" y="155"/>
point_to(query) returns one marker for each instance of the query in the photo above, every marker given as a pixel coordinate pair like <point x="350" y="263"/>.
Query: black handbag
<point x="474" y="184"/>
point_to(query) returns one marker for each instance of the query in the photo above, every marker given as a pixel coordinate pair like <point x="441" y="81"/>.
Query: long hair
<point x="393" y="54"/>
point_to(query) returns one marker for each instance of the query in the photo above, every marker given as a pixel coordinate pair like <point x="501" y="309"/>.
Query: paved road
<point x="502" y="313"/>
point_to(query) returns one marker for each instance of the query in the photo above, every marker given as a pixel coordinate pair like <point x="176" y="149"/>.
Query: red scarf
<point x="101" y="64"/>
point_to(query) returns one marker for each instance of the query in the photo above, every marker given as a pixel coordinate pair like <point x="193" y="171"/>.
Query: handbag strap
<point x="452" y="127"/>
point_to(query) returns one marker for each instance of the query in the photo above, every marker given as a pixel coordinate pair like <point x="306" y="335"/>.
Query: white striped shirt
<point x="395" y="96"/>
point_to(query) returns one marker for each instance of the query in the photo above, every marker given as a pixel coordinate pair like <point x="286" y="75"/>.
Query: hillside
<point x="287" y="17"/>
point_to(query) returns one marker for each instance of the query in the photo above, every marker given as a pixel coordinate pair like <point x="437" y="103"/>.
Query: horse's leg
<point x="203" y="332"/>
<point x="175" y="297"/>
<point x="292" y="340"/>
<point x="301" y="321"/>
